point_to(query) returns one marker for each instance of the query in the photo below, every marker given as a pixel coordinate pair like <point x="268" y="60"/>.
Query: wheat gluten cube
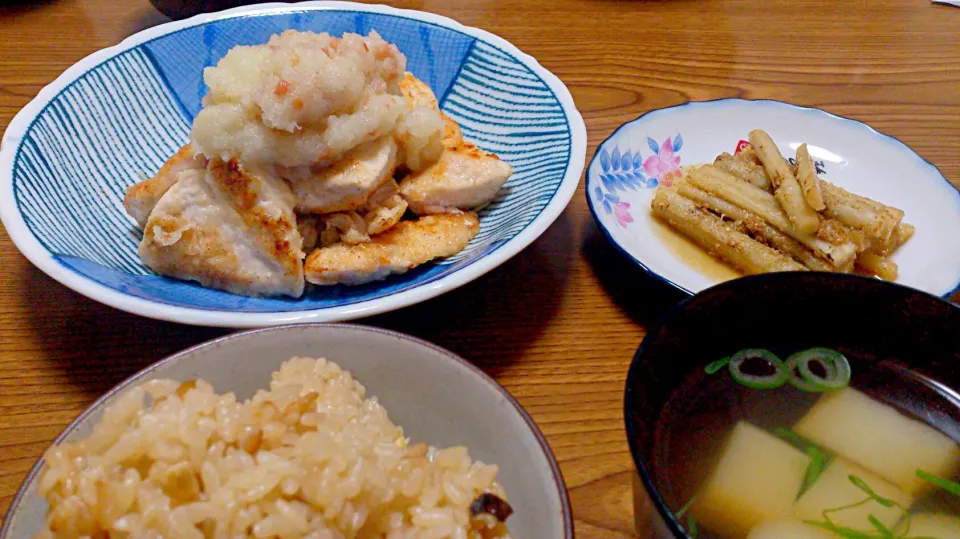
<point x="789" y="529"/>
<point x="757" y="479"/>
<point x="834" y="489"/>
<point x="879" y="438"/>
<point x="932" y="525"/>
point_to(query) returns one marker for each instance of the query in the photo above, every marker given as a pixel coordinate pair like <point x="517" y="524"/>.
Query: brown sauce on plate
<point x="693" y="255"/>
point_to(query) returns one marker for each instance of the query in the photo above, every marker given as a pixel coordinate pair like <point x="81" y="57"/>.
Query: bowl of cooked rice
<point x="318" y="431"/>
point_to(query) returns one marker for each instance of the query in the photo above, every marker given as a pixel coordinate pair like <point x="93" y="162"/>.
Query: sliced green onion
<point x="818" y="463"/>
<point x="872" y="496"/>
<point x="692" y="527"/>
<point x="714" y="367"/>
<point x="794" y="377"/>
<point x="884" y="531"/>
<point x="797" y="440"/>
<point x="950" y="486"/>
<point x="801" y="376"/>
<point x="819" y="458"/>
<point x="685" y="508"/>
<point x="862" y="485"/>
<point x="906" y="525"/>
<point x="791" y="436"/>
<point x="849" y="533"/>
<point x="753" y="381"/>
<point x="837" y="367"/>
<point x="827" y="512"/>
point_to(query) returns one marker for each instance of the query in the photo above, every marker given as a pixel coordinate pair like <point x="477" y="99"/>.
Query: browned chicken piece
<point x="421" y="130"/>
<point x="348" y="184"/>
<point x="227" y="228"/>
<point x="416" y="92"/>
<point x="343" y="227"/>
<point x="384" y="210"/>
<point x="309" y="227"/>
<point x="465" y="178"/>
<point x="403" y="247"/>
<point x="141" y="197"/>
<point x="451" y="129"/>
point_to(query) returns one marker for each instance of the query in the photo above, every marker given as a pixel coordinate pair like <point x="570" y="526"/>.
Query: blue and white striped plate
<point x="114" y="117"/>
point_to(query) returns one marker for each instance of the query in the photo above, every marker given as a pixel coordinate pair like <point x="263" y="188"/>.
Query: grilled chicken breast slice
<point x="382" y="211"/>
<point x="465" y="178"/>
<point x="399" y="249"/>
<point x="347" y="184"/>
<point x="418" y="93"/>
<point x="227" y="228"/>
<point x="141" y="197"/>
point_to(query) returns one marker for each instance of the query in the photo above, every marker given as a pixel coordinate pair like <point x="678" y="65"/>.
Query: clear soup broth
<point x="715" y="434"/>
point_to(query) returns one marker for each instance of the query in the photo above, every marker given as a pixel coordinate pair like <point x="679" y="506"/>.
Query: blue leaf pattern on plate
<point x="618" y="180"/>
<point x="624" y="171"/>
<point x="653" y="145"/>
<point x="608" y="182"/>
<point x="631" y="180"/>
<point x="606" y="207"/>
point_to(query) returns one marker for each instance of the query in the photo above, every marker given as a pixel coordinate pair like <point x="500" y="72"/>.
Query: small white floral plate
<point x="641" y="154"/>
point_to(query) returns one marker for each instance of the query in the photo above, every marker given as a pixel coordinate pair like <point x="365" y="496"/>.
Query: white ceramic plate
<point x="437" y="397"/>
<point x="628" y="166"/>
<point x="67" y="157"/>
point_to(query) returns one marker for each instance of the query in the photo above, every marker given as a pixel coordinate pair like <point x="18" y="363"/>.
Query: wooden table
<point x="558" y="324"/>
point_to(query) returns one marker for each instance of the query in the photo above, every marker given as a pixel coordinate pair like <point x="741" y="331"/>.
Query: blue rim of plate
<point x="492" y="255"/>
<point x="145" y="373"/>
<point x="646" y="269"/>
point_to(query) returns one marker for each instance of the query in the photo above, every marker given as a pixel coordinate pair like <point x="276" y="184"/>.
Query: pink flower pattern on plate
<point x="664" y="164"/>
<point x="621" y="211"/>
<point x="622" y="172"/>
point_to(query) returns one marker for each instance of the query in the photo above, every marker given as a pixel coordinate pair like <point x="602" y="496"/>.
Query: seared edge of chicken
<point x="465" y="178"/>
<point x="403" y="247"/>
<point x="423" y="127"/>
<point x="227" y="228"/>
<point x="416" y="92"/>
<point x="451" y="129"/>
<point x="142" y="197"/>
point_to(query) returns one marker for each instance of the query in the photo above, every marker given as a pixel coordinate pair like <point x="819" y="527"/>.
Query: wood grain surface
<point x="558" y="324"/>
